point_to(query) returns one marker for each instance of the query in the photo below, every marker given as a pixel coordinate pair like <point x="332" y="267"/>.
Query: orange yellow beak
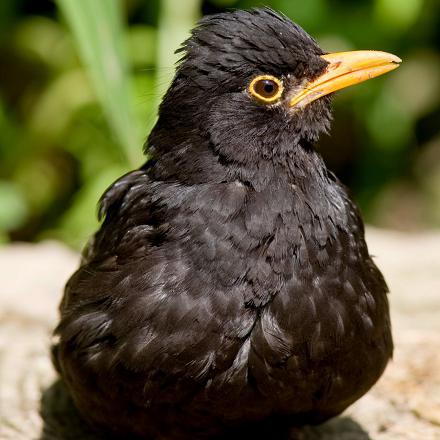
<point x="345" y="69"/>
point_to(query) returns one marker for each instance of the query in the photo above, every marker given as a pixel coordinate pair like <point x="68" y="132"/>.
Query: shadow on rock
<point x="61" y="421"/>
<point x="340" y="428"/>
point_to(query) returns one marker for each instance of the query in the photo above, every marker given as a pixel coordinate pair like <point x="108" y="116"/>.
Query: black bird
<point x="229" y="291"/>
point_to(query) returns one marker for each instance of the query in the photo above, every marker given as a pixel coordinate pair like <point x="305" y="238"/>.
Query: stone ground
<point x="405" y="404"/>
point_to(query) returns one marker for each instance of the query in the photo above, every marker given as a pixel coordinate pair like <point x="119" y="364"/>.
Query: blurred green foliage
<point x="80" y="82"/>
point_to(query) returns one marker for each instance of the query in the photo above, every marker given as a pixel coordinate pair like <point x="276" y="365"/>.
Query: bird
<point x="229" y="291"/>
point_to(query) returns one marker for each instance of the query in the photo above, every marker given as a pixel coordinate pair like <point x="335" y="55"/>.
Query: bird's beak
<point x="345" y="69"/>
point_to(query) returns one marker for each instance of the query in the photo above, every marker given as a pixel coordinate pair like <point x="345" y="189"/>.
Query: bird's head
<point x="255" y="85"/>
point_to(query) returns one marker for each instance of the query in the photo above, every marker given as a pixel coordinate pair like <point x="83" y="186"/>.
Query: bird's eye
<point x="266" y="89"/>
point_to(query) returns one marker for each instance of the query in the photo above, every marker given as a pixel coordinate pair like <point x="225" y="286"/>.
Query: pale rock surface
<point x="404" y="405"/>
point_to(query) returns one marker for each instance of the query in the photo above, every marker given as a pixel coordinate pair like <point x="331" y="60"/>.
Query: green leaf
<point x="80" y="220"/>
<point x="97" y="27"/>
<point x="175" y="21"/>
<point x="397" y="14"/>
<point x="13" y="208"/>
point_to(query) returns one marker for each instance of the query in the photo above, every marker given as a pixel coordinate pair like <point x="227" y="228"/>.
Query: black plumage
<point x="229" y="291"/>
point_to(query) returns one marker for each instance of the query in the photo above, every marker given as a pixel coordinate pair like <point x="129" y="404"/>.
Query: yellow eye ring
<point x="266" y="88"/>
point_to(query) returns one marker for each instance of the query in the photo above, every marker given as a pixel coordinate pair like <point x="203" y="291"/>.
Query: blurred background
<point x="80" y="82"/>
